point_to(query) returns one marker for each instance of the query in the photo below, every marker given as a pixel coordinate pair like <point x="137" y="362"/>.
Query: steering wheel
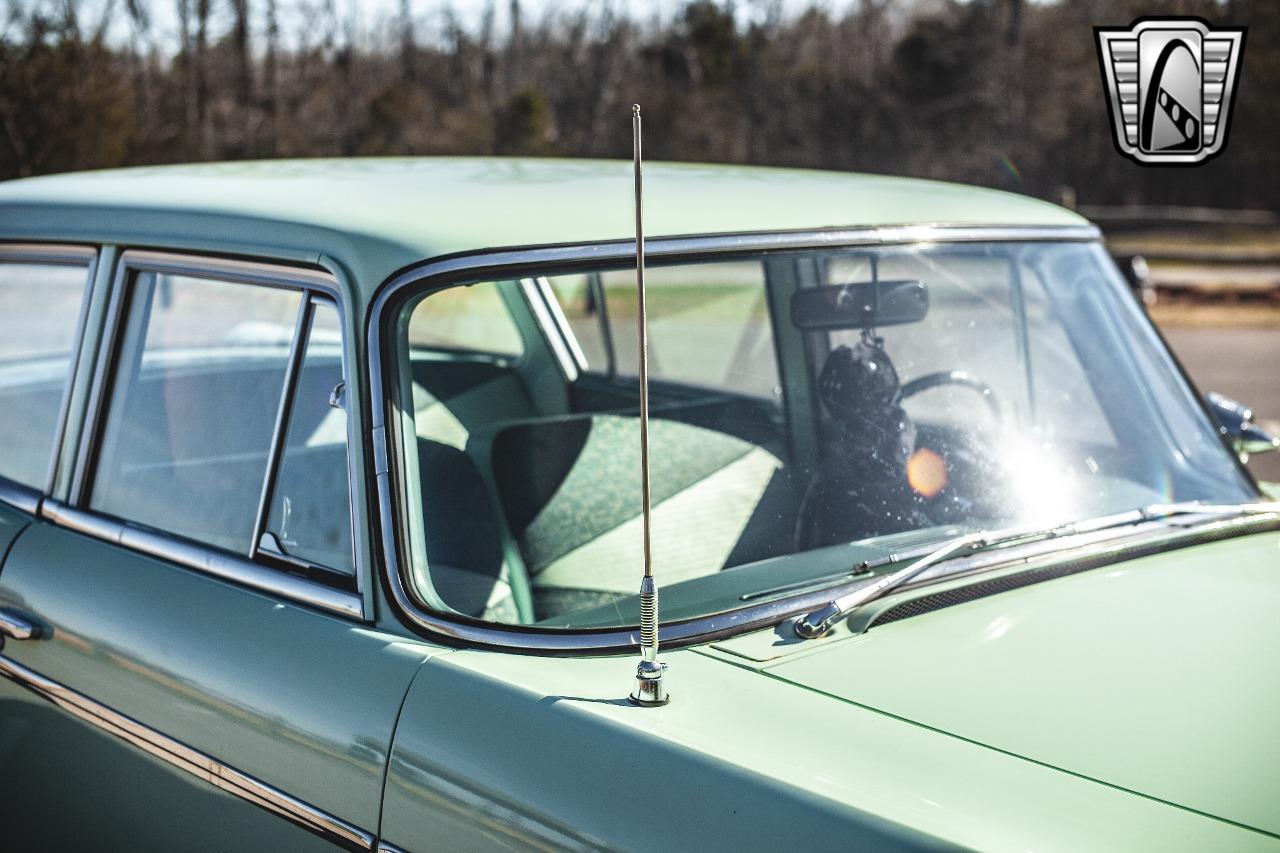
<point x="954" y="377"/>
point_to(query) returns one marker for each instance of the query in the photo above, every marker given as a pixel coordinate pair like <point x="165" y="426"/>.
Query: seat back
<point x="463" y="539"/>
<point x="569" y="489"/>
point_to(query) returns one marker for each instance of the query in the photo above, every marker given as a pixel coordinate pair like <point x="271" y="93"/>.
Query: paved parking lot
<point x="1241" y="363"/>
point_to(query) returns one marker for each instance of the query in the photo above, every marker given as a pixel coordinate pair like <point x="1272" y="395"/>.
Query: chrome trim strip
<point x="73" y="367"/>
<point x="531" y="257"/>
<point x="192" y="761"/>
<point x="535" y="298"/>
<point x="20" y="497"/>
<point x="535" y="260"/>
<point x="252" y="272"/>
<point x="561" y="323"/>
<point x="202" y="559"/>
<point x="284" y="411"/>
<point x="48" y="253"/>
<point x="109" y="333"/>
<point x="15" y="627"/>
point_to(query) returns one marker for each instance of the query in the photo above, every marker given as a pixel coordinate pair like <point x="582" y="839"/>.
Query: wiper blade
<point x="821" y="621"/>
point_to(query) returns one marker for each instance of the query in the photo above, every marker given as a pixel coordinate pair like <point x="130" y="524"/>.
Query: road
<point x="1241" y="363"/>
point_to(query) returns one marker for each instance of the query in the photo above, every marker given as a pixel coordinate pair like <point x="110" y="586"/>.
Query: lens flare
<point x="1043" y="489"/>
<point x="927" y="473"/>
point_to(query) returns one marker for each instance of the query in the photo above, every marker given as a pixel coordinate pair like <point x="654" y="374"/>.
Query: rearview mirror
<point x="1235" y="423"/>
<point x="860" y="305"/>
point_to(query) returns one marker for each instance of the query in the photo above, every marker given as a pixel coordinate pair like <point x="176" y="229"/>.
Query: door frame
<point x="339" y="596"/>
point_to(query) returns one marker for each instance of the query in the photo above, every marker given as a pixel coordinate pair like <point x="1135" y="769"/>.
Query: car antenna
<point x="650" y="690"/>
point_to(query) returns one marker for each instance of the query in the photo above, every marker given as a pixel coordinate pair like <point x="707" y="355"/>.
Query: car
<point x="321" y="521"/>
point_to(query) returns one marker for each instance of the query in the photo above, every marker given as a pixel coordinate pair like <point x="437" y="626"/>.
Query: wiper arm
<point x="821" y="621"/>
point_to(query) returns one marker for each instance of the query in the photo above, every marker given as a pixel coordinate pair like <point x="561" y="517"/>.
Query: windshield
<point x="811" y="410"/>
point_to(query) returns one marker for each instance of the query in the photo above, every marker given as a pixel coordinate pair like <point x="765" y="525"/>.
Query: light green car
<point x="320" y="521"/>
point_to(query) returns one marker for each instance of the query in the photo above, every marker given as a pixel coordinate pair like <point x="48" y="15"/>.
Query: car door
<point x="189" y="662"/>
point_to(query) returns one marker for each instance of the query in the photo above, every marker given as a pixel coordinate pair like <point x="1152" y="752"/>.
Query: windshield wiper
<point x="821" y="621"/>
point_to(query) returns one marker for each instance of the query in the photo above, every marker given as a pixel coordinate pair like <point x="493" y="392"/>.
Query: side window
<point x="708" y="325"/>
<point x="310" y="503"/>
<point x="197" y="387"/>
<point x="39" y="314"/>
<point x="194" y="410"/>
<point x="581" y="301"/>
<point x="470" y="319"/>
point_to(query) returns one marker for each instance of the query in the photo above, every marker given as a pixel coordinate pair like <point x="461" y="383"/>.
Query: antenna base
<point x="650" y="690"/>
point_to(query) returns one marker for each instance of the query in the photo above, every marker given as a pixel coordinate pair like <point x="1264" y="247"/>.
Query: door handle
<point x="17" y="627"/>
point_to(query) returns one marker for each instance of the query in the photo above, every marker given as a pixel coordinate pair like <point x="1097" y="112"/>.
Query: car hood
<point x="1160" y="676"/>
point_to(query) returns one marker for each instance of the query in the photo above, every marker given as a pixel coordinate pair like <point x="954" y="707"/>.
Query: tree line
<point x="1003" y="93"/>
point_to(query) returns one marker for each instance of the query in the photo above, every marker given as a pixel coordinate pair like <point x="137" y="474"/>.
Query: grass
<point x="1209" y="241"/>
<point x="1218" y="313"/>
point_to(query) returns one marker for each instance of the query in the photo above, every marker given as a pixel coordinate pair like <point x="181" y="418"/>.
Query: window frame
<point x="20" y="495"/>
<point x="260" y="569"/>
<point x="387" y="416"/>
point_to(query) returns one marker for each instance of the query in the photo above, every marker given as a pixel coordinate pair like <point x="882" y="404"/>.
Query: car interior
<point x="530" y="501"/>
<point x="530" y="474"/>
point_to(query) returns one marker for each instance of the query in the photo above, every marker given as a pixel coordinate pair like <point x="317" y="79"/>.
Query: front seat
<point x="463" y="542"/>
<point x="570" y="493"/>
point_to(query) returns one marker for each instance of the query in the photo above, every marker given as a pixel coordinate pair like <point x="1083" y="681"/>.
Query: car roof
<point x="378" y="215"/>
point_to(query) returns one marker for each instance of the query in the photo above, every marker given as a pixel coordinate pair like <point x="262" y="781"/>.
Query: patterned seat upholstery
<point x="570" y="491"/>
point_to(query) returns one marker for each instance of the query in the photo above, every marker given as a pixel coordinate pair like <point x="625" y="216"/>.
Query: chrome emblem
<point x="1170" y="83"/>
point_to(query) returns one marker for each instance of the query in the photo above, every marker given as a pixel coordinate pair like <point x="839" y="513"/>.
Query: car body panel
<point x="131" y="800"/>
<point x="376" y="216"/>
<point x="498" y="750"/>
<point x="1155" y="676"/>
<point x="482" y="749"/>
<point x="12" y="523"/>
<point x="303" y="701"/>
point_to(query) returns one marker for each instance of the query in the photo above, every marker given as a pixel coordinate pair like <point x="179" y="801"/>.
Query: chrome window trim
<point x="284" y="412"/>
<point x="23" y="497"/>
<point x="193" y="555"/>
<point x="535" y="296"/>
<point x="561" y="324"/>
<point x="62" y="254"/>
<point x="523" y="262"/>
<point x="20" y="497"/>
<point x="192" y="761"/>
<point x="75" y="513"/>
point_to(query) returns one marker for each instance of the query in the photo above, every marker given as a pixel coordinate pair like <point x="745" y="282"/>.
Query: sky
<point x="428" y="14"/>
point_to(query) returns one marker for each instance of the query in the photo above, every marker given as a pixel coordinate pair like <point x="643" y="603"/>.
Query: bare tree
<point x="1001" y="92"/>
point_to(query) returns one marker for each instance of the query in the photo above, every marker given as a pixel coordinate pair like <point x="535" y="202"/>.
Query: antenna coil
<point x="648" y="614"/>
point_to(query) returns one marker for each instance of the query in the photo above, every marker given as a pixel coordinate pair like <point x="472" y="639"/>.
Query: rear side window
<point x="708" y="324"/>
<point x="470" y="319"/>
<point x="197" y="388"/>
<point x="39" y="317"/>
<point x="198" y="410"/>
